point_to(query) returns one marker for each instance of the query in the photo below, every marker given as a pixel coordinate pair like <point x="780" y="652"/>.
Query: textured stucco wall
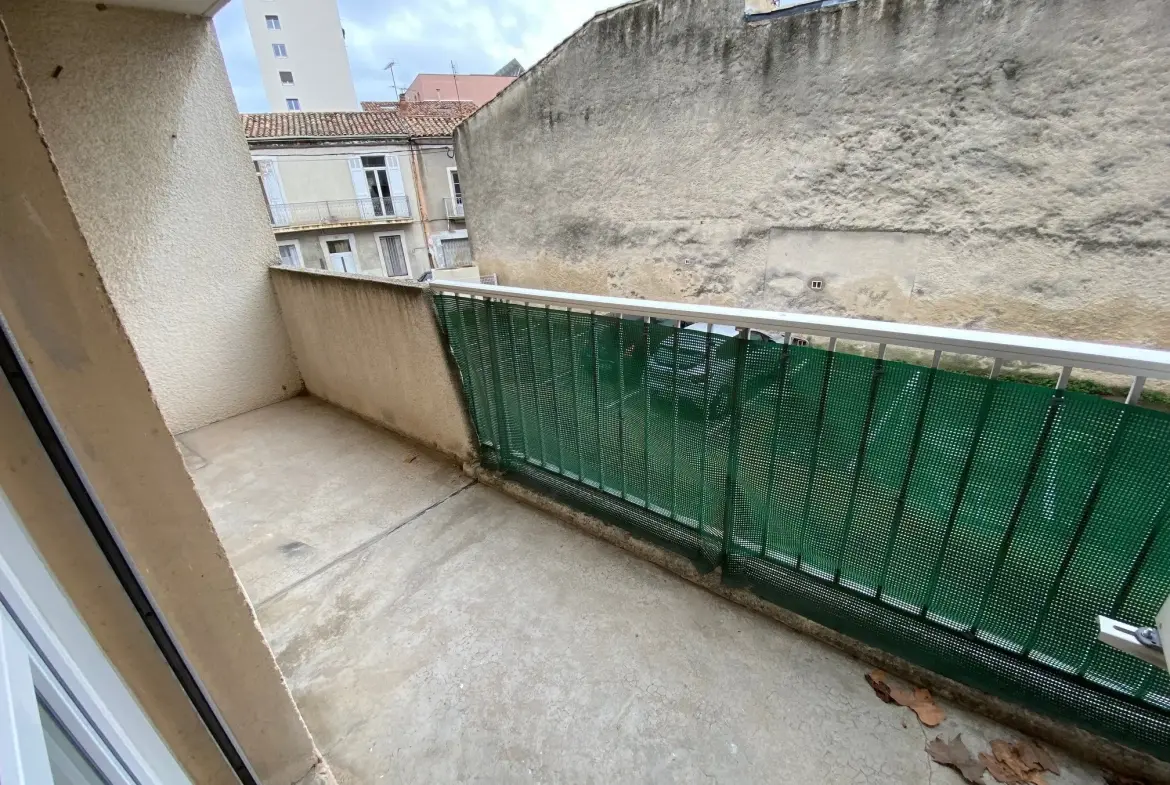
<point x="372" y="346"/>
<point x="998" y="165"/>
<point x="65" y="325"/>
<point x="143" y="127"/>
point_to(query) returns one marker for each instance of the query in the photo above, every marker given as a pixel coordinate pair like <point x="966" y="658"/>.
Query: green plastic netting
<point x="975" y="527"/>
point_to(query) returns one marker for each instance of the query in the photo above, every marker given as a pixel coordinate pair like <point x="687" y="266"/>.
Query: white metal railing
<point x="374" y="209"/>
<point x="454" y="207"/>
<point x="1135" y="362"/>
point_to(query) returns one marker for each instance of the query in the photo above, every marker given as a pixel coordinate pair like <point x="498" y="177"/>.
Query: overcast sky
<point x="421" y="36"/>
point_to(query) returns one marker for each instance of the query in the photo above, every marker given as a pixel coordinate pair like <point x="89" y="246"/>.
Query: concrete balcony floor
<point x="434" y="630"/>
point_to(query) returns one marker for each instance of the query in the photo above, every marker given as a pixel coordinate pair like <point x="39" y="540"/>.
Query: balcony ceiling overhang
<point x="206" y="8"/>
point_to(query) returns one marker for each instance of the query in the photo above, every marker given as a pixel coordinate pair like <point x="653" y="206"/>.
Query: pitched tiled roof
<point x="314" y="125"/>
<point x="458" y="109"/>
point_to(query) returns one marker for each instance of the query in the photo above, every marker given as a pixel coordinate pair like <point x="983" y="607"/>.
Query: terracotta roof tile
<point x="309" y="125"/>
<point x="458" y="109"/>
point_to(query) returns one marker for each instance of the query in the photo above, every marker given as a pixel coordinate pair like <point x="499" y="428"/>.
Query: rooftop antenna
<point x="394" y="81"/>
<point x="455" y="78"/>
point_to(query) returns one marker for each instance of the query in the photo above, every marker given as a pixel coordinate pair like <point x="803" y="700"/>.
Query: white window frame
<point x="451" y="182"/>
<point x="46" y="648"/>
<point x="277" y="52"/>
<point x="325" y="238"/>
<point x="382" y="256"/>
<point x="295" y="243"/>
<point x="291" y="79"/>
<point x="288" y="102"/>
<point x="269" y="19"/>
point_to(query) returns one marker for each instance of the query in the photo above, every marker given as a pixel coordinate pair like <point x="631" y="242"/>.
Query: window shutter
<point x="361" y="188"/>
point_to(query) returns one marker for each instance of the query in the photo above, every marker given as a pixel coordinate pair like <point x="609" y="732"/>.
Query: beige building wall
<point x="141" y="120"/>
<point x="315" y="45"/>
<point x="373" y="346"/>
<point x="321" y="173"/>
<point x="55" y="302"/>
<point x="989" y="165"/>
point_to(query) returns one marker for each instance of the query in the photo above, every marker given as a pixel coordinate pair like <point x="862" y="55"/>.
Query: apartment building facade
<point x="376" y="193"/>
<point x="300" y="47"/>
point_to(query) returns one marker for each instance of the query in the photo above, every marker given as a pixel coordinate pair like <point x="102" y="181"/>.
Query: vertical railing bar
<point x="851" y="509"/>
<point x="597" y="399"/>
<point x="621" y="361"/>
<point x="706" y="420"/>
<point x="911" y="460"/>
<point x="1018" y="507"/>
<point x="733" y="446"/>
<point x="785" y="353"/>
<point x="960" y="492"/>
<point x="1065" y="375"/>
<point x="576" y="402"/>
<point x="497" y="382"/>
<point x="677" y="336"/>
<point x="812" y="464"/>
<point x="466" y="378"/>
<point x="519" y="382"/>
<point x="1135" y="569"/>
<point x="552" y="381"/>
<point x="1135" y="391"/>
<point x="1070" y="550"/>
<point x="488" y="404"/>
<point x="535" y="391"/>
<point x="996" y="367"/>
<point x="646" y="413"/>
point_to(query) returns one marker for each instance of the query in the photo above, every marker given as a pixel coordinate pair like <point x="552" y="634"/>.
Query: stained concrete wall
<point x="996" y="165"/>
<point x="372" y="346"/>
<point x="54" y="301"/>
<point x="138" y="111"/>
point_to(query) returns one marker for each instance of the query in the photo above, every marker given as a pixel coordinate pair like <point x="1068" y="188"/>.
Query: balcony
<point x="300" y="216"/>
<point x="454" y="208"/>
<point x="417" y="608"/>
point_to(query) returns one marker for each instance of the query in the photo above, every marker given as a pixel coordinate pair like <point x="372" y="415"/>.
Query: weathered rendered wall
<point x="64" y="323"/>
<point x="145" y="132"/>
<point x="979" y="163"/>
<point x="372" y="346"/>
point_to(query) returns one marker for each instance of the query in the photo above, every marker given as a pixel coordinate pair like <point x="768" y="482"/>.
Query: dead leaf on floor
<point x="1019" y="762"/>
<point x="411" y="459"/>
<point x="917" y="700"/>
<point x="1034" y="755"/>
<point x="956" y="755"/>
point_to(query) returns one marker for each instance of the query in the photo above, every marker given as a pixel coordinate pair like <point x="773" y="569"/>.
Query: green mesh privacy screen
<point x="971" y="526"/>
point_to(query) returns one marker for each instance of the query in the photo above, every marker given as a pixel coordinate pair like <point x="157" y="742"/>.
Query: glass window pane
<point x="68" y="764"/>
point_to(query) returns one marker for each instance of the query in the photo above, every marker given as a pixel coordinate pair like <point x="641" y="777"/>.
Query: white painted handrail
<point x="1125" y="360"/>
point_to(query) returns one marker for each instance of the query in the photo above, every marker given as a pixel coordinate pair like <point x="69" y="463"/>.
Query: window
<point x="378" y="179"/>
<point x="278" y="50"/>
<point x="272" y="22"/>
<point x="456" y="252"/>
<point x="286" y="77"/>
<point x="393" y="255"/>
<point x="290" y="255"/>
<point x="456" y="188"/>
<point x="293" y="104"/>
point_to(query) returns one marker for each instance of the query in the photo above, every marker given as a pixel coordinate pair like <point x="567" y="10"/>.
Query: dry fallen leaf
<point x="917" y="700"/>
<point x="1036" y="756"/>
<point x="1019" y="762"/>
<point x="956" y="755"/>
<point x="411" y="459"/>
